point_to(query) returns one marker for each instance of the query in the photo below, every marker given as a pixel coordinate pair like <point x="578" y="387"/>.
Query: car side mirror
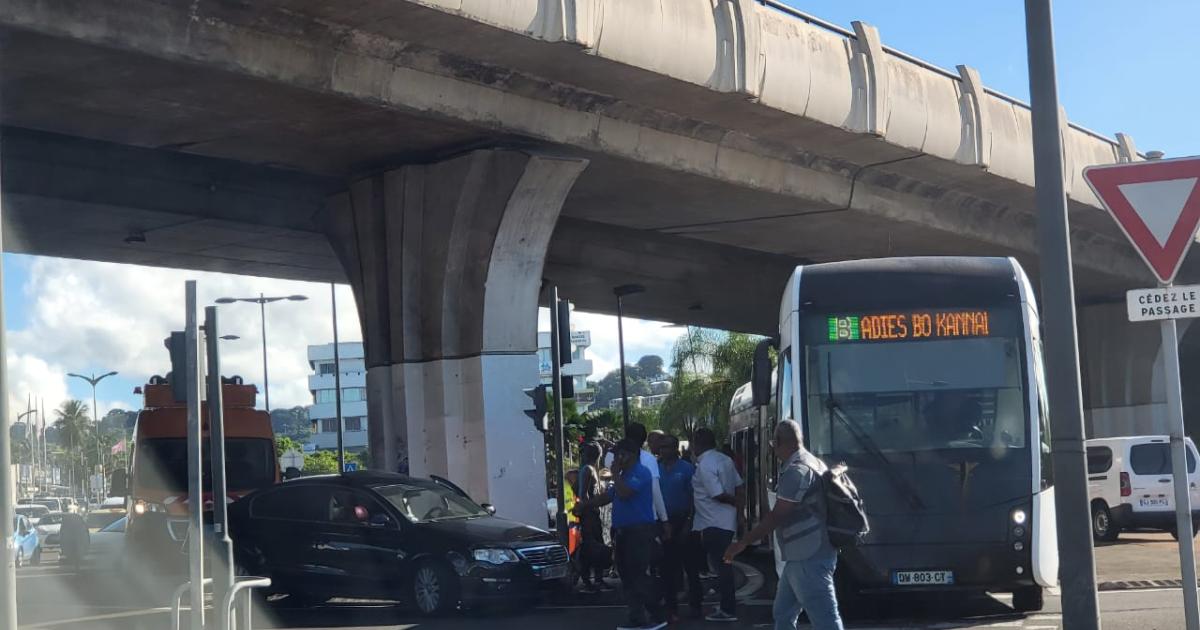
<point x="760" y="376"/>
<point x="378" y="520"/>
<point x="489" y="508"/>
<point x="291" y="473"/>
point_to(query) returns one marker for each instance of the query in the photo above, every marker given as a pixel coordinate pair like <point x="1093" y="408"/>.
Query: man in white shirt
<point x="717" y="488"/>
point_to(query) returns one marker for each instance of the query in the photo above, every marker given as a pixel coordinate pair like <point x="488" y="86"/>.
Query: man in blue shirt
<point x="675" y="479"/>
<point x="635" y="535"/>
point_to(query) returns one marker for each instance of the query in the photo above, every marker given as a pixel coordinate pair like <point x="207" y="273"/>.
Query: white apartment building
<point x="323" y="412"/>
<point x="579" y="369"/>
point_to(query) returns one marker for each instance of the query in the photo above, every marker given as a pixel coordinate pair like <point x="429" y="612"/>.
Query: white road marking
<point x="120" y="615"/>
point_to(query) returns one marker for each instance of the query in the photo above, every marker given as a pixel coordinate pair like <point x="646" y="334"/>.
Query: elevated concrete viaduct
<point x="443" y="156"/>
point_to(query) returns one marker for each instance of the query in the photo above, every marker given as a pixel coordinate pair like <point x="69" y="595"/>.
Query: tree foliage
<point x="293" y="423"/>
<point x="709" y="366"/>
<point x="648" y="369"/>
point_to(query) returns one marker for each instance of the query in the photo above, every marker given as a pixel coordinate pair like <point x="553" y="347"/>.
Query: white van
<point x="1129" y="485"/>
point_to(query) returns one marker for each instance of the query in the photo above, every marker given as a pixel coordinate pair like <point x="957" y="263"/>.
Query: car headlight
<point x="1018" y="516"/>
<point x="141" y="507"/>
<point x="496" y="556"/>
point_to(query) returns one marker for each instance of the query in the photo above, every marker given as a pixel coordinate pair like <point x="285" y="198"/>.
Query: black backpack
<point x="844" y="515"/>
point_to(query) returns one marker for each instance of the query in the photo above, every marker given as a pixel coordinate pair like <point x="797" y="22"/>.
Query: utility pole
<point x="337" y="383"/>
<point x="8" y="569"/>
<point x="560" y="519"/>
<point x="223" y="552"/>
<point x="1079" y="603"/>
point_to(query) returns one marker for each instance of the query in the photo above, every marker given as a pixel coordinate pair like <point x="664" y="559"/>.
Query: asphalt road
<point x="51" y="596"/>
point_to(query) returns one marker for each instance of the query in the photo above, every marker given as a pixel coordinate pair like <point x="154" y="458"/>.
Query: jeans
<point x="634" y="547"/>
<point x="715" y="541"/>
<point x="808" y="585"/>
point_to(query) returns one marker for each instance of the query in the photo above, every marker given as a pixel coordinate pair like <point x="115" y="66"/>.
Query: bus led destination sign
<point x="910" y="325"/>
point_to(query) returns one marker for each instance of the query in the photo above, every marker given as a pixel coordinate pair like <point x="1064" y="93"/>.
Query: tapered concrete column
<point x="446" y="264"/>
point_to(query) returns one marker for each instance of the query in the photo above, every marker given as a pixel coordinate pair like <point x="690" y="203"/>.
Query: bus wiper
<point x="866" y="442"/>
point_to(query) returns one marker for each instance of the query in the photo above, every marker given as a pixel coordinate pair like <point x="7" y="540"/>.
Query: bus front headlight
<point x="1019" y="516"/>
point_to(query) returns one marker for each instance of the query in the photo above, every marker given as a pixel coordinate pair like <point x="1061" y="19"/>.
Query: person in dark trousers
<point x="717" y="490"/>
<point x="635" y="533"/>
<point x="74" y="540"/>
<point x="675" y="479"/>
<point x="802" y="536"/>
<point x="595" y="556"/>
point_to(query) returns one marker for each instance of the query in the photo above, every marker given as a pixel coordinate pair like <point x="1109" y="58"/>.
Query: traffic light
<point x="538" y="413"/>
<point x="564" y="332"/>
<point x="566" y="387"/>
<point x="177" y="347"/>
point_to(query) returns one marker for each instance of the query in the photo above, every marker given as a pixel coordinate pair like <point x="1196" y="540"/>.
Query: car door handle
<point x="1167" y="480"/>
<point x="330" y="547"/>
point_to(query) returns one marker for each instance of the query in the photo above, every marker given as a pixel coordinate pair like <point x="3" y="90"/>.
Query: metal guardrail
<point x="829" y="26"/>
<point x="177" y="603"/>
<point x="242" y="585"/>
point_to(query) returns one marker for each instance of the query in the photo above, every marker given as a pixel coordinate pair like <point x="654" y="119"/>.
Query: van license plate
<point x="922" y="578"/>
<point x="1159" y="502"/>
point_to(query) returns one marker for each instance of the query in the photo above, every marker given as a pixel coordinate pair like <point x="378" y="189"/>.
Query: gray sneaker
<point x="721" y="615"/>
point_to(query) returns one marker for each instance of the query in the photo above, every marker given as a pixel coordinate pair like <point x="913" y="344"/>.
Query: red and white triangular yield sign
<point x="1157" y="205"/>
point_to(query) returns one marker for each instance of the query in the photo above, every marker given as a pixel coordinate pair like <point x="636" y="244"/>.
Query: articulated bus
<point x="157" y="497"/>
<point x="923" y="375"/>
<point x="750" y="428"/>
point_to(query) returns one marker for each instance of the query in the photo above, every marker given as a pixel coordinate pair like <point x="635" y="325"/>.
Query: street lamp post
<point x="620" y="292"/>
<point x="32" y="441"/>
<point x="262" y="302"/>
<point x="93" y="380"/>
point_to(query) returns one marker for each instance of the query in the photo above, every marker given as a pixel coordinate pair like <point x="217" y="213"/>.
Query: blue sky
<point x="1122" y="67"/>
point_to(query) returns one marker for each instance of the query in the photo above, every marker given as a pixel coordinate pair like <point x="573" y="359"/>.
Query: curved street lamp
<point x="620" y="292"/>
<point x="262" y="301"/>
<point x="93" y="380"/>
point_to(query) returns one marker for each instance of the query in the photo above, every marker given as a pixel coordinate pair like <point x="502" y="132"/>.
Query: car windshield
<point x="161" y="463"/>
<point x="97" y="520"/>
<point x="425" y="504"/>
<point x="117" y="526"/>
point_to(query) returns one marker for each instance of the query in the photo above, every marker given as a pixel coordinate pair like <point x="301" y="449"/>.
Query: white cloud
<point x="31" y="377"/>
<point x="85" y="316"/>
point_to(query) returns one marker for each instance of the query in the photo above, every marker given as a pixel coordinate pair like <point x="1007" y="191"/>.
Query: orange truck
<point x="157" y="492"/>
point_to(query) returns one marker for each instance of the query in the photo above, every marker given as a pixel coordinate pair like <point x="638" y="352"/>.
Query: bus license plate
<point x="553" y="573"/>
<point x="1159" y="502"/>
<point x="922" y="578"/>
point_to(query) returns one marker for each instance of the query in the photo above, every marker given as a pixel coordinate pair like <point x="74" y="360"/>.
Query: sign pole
<point x="1080" y="606"/>
<point x="1183" y="504"/>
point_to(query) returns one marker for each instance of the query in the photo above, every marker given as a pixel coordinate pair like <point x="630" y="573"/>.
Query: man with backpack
<point x="799" y="521"/>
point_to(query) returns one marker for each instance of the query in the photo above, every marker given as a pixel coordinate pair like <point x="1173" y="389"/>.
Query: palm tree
<point x="709" y="366"/>
<point x="73" y="424"/>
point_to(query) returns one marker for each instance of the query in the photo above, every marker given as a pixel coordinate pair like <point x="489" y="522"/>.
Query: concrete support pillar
<point x="446" y="263"/>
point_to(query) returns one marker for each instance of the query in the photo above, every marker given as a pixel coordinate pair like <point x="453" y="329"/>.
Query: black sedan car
<point x="380" y="535"/>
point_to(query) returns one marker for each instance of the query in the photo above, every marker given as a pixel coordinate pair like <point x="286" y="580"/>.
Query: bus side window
<point x="785" y="386"/>
<point x="1043" y="411"/>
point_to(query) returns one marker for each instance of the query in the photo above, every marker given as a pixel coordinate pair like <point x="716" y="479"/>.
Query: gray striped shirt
<point x="803" y="533"/>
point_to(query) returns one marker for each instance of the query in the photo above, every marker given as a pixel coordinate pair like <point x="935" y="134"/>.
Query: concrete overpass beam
<point x="446" y="263"/>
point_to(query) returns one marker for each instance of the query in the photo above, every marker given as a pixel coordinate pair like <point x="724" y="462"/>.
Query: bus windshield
<point x="161" y="463"/>
<point x="908" y="396"/>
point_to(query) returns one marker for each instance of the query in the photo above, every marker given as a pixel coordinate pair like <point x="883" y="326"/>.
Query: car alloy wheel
<point x="427" y="590"/>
